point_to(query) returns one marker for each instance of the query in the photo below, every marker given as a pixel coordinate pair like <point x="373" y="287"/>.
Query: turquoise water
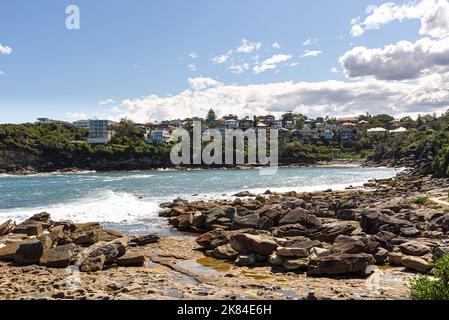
<point x="129" y="200"/>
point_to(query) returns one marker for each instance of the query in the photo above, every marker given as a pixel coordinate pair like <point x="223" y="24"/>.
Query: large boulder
<point x="59" y="257"/>
<point x="344" y="244"/>
<point x="131" y="259"/>
<point x="330" y="233"/>
<point x="86" y="234"/>
<point x="109" y="250"/>
<point x="7" y="227"/>
<point x="248" y="221"/>
<point x="8" y="252"/>
<point x="29" y="228"/>
<point x="224" y="252"/>
<point x="290" y="230"/>
<point x="29" y="252"/>
<point x="214" y="215"/>
<point x="371" y="220"/>
<point x="416" y="264"/>
<point x="215" y="238"/>
<point x="244" y="243"/>
<point x="301" y="216"/>
<point x="414" y="249"/>
<point x="291" y="252"/>
<point x="145" y="239"/>
<point x="345" y="264"/>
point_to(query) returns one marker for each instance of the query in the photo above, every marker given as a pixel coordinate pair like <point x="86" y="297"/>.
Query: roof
<point x="348" y="119"/>
<point x="377" y="130"/>
<point x="348" y="124"/>
<point x="398" y="130"/>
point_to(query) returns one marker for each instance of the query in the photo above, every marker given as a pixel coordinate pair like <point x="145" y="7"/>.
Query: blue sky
<point x="127" y="50"/>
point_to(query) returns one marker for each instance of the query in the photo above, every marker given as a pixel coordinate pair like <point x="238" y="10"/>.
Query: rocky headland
<point x="354" y="244"/>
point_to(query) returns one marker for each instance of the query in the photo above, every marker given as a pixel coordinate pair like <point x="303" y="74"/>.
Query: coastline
<point x="185" y="271"/>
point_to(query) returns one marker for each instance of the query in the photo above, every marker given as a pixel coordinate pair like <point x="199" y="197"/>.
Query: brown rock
<point x="414" y="249"/>
<point x="131" y="259"/>
<point x="7" y="227"/>
<point x="292" y="252"/>
<point x="416" y="264"/>
<point x="59" y="257"/>
<point x="29" y="252"/>
<point x="243" y="243"/>
<point x="301" y="216"/>
<point x="340" y="264"/>
<point x="146" y="239"/>
<point x="29" y="229"/>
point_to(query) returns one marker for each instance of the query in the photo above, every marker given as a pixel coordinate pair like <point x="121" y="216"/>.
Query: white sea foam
<point x="108" y="206"/>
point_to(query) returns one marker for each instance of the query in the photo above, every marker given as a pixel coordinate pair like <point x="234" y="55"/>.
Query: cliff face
<point x="20" y="161"/>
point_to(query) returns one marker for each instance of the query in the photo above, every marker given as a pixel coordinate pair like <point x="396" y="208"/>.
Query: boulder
<point x="265" y="223"/>
<point x="224" y="252"/>
<point x="59" y="257"/>
<point x="213" y="239"/>
<point x="29" y="252"/>
<point x="344" y="244"/>
<point x="414" y="249"/>
<point x="371" y="220"/>
<point x="385" y="238"/>
<point x="318" y="252"/>
<point x="221" y="212"/>
<point x="302" y="242"/>
<point x="85" y="234"/>
<point x="145" y="239"/>
<point x="410" y="232"/>
<point x="109" y="235"/>
<point x="290" y="230"/>
<point x="93" y="264"/>
<point x="416" y="264"/>
<point x="292" y="252"/>
<point x="243" y="194"/>
<point x="381" y="255"/>
<point x="109" y="250"/>
<point x="8" y="252"/>
<point x="345" y="264"/>
<point x="345" y="214"/>
<point x="244" y="243"/>
<point x="440" y="251"/>
<point x="30" y="229"/>
<point x="131" y="259"/>
<point x="296" y="264"/>
<point x="7" y="227"/>
<point x="395" y="258"/>
<point x="330" y="233"/>
<point x="301" y="216"/>
<point x="248" y="221"/>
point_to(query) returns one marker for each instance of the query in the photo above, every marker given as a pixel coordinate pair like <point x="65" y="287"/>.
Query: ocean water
<point x="129" y="201"/>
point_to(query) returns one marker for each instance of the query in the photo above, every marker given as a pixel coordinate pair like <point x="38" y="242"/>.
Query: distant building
<point x="346" y="136"/>
<point x="231" y="124"/>
<point x="353" y="120"/>
<point x="308" y="132"/>
<point x="51" y="121"/>
<point x="278" y="124"/>
<point x="99" y="131"/>
<point x="398" y="130"/>
<point x="376" y="131"/>
<point x="246" y="123"/>
<point x="158" y="137"/>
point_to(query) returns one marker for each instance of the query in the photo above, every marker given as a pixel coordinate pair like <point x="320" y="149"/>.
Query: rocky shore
<point x="354" y="244"/>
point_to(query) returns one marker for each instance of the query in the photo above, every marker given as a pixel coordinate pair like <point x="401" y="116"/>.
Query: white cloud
<point x="106" y="102"/>
<point x="1" y="73"/>
<point x="115" y="109"/>
<point x="194" y="55"/>
<point x="248" y="47"/>
<point x="192" y="67"/>
<point x="74" y="116"/>
<point x="271" y="63"/>
<point x="334" y="70"/>
<point x="222" y="58"/>
<point x="294" y="64"/>
<point x="276" y="45"/>
<point x="433" y="15"/>
<point x="334" y="98"/>
<point x="311" y="53"/>
<point x="202" y="83"/>
<point x="239" y="68"/>
<point x="400" y="61"/>
<point x="5" y="50"/>
<point x="310" y="42"/>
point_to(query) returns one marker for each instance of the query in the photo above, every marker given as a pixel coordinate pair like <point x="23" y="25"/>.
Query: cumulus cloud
<point x="5" y="50"/>
<point x="334" y="98"/>
<point x="311" y="53"/>
<point x="401" y="61"/>
<point x="74" y="116"/>
<point x="222" y="58"/>
<point x="433" y="15"/>
<point x="248" y="47"/>
<point x="271" y="63"/>
<point x="106" y="102"/>
<point x="276" y="45"/>
<point x="239" y="68"/>
<point x="334" y="70"/>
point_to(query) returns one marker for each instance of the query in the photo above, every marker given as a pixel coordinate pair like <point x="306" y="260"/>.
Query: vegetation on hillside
<point x="432" y="288"/>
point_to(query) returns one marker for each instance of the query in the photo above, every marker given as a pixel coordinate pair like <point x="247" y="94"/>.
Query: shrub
<point x="420" y="200"/>
<point x="432" y="288"/>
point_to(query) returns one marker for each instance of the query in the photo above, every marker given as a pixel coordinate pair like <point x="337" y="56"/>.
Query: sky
<point x="150" y="60"/>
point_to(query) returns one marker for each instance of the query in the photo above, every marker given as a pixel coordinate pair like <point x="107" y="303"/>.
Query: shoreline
<point x="196" y="268"/>
<point x="330" y="164"/>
